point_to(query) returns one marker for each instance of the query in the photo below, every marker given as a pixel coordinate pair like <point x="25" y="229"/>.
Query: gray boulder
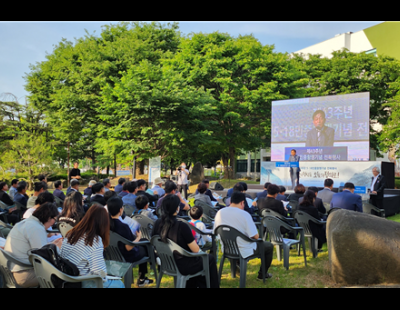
<point x="363" y="249"/>
<point x="197" y="174"/>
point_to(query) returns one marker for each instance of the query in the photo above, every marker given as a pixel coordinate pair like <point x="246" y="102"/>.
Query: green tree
<point x="67" y="86"/>
<point x="29" y="155"/>
<point x="244" y="77"/>
<point x="153" y="112"/>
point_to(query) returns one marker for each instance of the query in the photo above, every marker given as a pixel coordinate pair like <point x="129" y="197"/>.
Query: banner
<point x="315" y="173"/>
<point x="154" y="169"/>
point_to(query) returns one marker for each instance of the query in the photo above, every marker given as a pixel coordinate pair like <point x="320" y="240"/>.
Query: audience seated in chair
<point x="30" y="234"/>
<point x="141" y="184"/>
<point x="299" y="191"/>
<point x="21" y="196"/>
<point x="168" y="227"/>
<point x="318" y="203"/>
<point x="196" y="213"/>
<point x="208" y="191"/>
<point x="12" y="216"/>
<point x="118" y="188"/>
<point x="89" y="190"/>
<point x="130" y="253"/>
<point x="131" y="197"/>
<point x="307" y="205"/>
<point x="84" y="246"/>
<point x="72" y="211"/>
<point x="264" y="193"/>
<point x="98" y="194"/>
<point x="142" y="204"/>
<point x="58" y="190"/>
<point x="237" y="218"/>
<point x="172" y="189"/>
<point x="347" y="199"/>
<point x="201" y="190"/>
<point x="326" y="194"/>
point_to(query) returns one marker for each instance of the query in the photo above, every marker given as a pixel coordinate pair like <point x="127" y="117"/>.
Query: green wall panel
<point x="385" y="38"/>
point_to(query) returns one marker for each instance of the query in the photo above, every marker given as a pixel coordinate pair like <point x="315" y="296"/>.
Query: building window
<point x="373" y="51"/>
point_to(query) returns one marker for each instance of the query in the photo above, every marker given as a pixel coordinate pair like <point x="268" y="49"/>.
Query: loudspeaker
<point x="216" y="186"/>
<point x="387" y="170"/>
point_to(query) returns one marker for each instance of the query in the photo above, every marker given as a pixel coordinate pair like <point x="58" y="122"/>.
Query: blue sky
<point x="24" y="43"/>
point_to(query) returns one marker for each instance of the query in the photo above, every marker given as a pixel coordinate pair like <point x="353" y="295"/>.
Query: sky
<point x="25" y="43"/>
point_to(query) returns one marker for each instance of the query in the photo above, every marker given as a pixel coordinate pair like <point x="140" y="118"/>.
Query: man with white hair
<point x="88" y="191"/>
<point x="377" y="188"/>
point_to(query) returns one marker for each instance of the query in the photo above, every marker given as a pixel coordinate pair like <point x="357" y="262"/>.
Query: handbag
<point x="49" y="252"/>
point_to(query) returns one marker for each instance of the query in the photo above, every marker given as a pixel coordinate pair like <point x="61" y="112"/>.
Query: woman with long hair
<point x="168" y="227"/>
<point x="84" y="246"/>
<point x="307" y="206"/>
<point x="72" y="211"/>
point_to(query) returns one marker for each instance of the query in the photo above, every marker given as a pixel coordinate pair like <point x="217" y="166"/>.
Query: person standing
<point x="377" y="188"/>
<point x="75" y="173"/>
<point x="182" y="173"/>
<point x="294" y="172"/>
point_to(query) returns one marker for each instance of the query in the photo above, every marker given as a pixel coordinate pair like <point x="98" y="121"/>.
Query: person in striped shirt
<point x="84" y="245"/>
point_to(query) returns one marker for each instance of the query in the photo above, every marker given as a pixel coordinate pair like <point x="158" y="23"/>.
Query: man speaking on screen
<point x="321" y="135"/>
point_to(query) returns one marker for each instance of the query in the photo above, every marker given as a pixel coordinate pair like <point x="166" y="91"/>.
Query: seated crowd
<point x="101" y="210"/>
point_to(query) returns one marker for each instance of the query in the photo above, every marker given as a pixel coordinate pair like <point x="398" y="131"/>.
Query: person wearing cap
<point x="158" y="182"/>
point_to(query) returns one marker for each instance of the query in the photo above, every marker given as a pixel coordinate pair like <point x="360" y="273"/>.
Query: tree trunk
<point x="93" y="159"/>
<point x="232" y="161"/>
<point x="172" y="167"/>
<point x="225" y="161"/>
<point x="115" y="164"/>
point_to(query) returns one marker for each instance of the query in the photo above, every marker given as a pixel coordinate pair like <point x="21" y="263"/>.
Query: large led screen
<point x="329" y="128"/>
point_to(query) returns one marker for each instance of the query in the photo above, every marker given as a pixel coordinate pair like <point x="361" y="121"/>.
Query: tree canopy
<point x="140" y="90"/>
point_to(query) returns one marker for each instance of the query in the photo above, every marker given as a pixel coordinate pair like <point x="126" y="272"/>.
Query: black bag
<point x="49" y="252"/>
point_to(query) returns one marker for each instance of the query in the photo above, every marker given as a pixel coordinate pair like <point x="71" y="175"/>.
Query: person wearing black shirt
<point x="75" y="173"/>
<point x="21" y="196"/>
<point x="318" y="203"/>
<point x="168" y="227"/>
<point x="307" y="206"/>
<point x="141" y="184"/>
<point x="130" y="253"/>
<point x="12" y="215"/>
<point x="98" y="194"/>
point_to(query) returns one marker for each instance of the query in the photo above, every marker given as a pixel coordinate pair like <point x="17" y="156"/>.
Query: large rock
<point x="197" y="174"/>
<point x="363" y="249"/>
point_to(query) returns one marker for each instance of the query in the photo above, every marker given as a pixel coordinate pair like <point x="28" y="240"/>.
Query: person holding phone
<point x="130" y="253"/>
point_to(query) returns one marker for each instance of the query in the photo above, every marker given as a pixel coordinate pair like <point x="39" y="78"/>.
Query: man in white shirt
<point x="237" y="218"/>
<point x="182" y="174"/>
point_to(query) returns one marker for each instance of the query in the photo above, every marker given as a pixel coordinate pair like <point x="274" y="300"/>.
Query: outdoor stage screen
<point x="329" y="128"/>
